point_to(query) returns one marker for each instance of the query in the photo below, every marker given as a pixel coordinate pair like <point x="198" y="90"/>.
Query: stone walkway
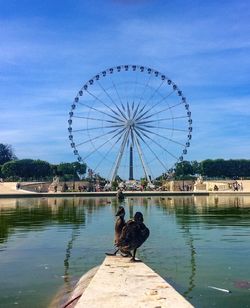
<point x="10" y="188"/>
<point x="120" y="283"/>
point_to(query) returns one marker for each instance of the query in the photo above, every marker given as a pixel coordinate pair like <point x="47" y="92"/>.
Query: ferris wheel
<point x="131" y="121"/>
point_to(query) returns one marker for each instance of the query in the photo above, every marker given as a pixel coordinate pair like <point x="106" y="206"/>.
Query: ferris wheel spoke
<point x="96" y="119"/>
<point x="146" y="85"/>
<point x="156" y="134"/>
<point x="156" y="156"/>
<point x="104" y="90"/>
<point x="165" y="109"/>
<point x="110" y="149"/>
<point x="117" y="93"/>
<point x="155" y="113"/>
<point x="164" y="98"/>
<point x="156" y="90"/>
<point x="141" y="110"/>
<point x="87" y="118"/>
<point x="152" y="95"/>
<point x="143" y="91"/>
<point x="95" y="128"/>
<point x="151" y="107"/>
<point x="139" y="135"/>
<point x="162" y="119"/>
<point x="144" y="165"/>
<point x="121" y="112"/>
<point x="136" y="110"/>
<point x="95" y="109"/>
<point x="98" y="137"/>
<point x="119" y="155"/>
<point x="111" y="99"/>
<point x="121" y="135"/>
<point x="166" y="128"/>
<point x="96" y="98"/>
<point x="129" y="112"/>
<point x="159" y="145"/>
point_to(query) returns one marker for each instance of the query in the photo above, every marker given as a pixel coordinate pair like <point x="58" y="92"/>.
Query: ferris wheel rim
<point x="142" y="115"/>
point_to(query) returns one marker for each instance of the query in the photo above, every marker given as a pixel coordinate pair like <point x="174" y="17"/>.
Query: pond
<point x="46" y="244"/>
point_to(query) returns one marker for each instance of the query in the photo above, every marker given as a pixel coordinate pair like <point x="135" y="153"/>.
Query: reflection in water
<point x="184" y="210"/>
<point x="36" y="213"/>
<point x="72" y="234"/>
<point x="190" y="242"/>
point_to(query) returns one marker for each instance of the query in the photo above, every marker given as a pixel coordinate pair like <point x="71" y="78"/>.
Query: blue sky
<point x="49" y="49"/>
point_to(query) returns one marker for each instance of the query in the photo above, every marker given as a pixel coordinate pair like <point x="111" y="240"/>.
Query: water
<point x="195" y="242"/>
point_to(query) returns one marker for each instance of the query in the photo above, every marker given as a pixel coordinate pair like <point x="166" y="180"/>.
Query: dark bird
<point x="120" y="195"/>
<point x="133" y="235"/>
<point x="120" y="223"/>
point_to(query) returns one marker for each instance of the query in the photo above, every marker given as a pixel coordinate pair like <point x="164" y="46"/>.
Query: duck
<point x="133" y="235"/>
<point x="120" y="223"/>
<point x="120" y="195"/>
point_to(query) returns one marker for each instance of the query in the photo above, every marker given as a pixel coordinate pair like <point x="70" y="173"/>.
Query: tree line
<point x="14" y="169"/>
<point x="215" y="168"/>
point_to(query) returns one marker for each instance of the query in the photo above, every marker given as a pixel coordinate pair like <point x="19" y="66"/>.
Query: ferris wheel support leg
<point x="119" y="157"/>
<point x="142" y="161"/>
<point x="131" y="173"/>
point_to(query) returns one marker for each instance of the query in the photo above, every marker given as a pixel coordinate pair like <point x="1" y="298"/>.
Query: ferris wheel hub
<point x="130" y="123"/>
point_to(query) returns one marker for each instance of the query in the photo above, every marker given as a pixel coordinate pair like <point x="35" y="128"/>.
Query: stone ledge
<point x="121" y="283"/>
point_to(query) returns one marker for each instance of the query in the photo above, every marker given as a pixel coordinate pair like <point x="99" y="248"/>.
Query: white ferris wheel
<point x="131" y="121"/>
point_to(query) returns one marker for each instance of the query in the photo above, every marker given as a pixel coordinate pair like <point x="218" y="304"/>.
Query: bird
<point x="120" y="195"/>
<point x="120" y="223"/>
<point x="133" y="235"/>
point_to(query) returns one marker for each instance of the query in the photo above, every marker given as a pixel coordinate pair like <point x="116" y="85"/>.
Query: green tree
<point x="6" y="153"/>
<point x="207" y="168"/>
<point x="42" y="169"/>
<point x="71" y="171"/>
<point x="80" y="169"/>
<point x="183" y="168"/>
<point x="65" y="169"/>
<point x="9" y="169"/>
<point x="26" y="169"/>
<point x="196" y="167"/>
<point x="221" y="168"/>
